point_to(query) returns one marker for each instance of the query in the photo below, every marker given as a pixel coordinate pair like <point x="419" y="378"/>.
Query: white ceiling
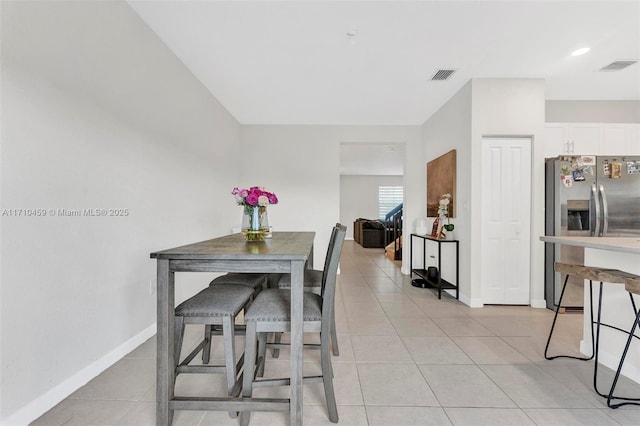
<point x="291" y="62"/>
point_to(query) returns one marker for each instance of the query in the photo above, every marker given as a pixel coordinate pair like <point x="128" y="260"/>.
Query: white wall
<point x="592" y="111"/>
<point x="301" y="164"/>
<point x="89" y="121"/>
<point x="510" y="107"/>
<point x="483" y="107"/>
<point x="359" y="197"/>
<point x="450" y="128"/>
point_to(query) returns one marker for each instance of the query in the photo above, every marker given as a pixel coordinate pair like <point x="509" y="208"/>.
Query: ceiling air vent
<point x="618" y="65"/>
<point x="442" y="74"/>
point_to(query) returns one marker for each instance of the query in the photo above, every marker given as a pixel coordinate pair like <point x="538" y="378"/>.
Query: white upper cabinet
<point x="585" y="138"/>
<point x="556" y="139"/>
<point x="591" y="139"/>
<point x="634" y="142"/>
<point x="623" y="138"/>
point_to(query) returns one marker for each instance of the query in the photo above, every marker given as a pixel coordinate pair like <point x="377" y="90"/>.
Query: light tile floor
<point x="406" y="358"/>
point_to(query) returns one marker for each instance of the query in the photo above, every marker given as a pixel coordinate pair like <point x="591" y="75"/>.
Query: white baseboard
<point x="477" y="303"/>
<point x="464" y="299"/>
<point x="48" y="400"/>
<point x="472" y="303"/>
<point x="538" y="303"/>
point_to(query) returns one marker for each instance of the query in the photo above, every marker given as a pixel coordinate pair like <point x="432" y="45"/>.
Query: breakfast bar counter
<point x="621" y="253"/>
<point x="620" y="244"/>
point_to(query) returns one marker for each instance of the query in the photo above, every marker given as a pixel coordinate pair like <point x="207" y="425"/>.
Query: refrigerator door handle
<point x="594" y="212"/>
<point x="605" y="211"/>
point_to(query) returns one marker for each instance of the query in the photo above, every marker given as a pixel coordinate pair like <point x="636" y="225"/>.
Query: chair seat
<point x="312" y="278"/>
<point x="632" y="284"/>
<point x="252" y="280"/>
<point x="274" y="305"/>
<point x="593" y="273"/>
<point x="615" y="276"/>
<point x="216" y="301"/>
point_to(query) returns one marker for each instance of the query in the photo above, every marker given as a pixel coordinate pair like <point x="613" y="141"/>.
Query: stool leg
<point x="597" y="344"/>
<point x="553" y="325"/>
<point x="177" y="339"/>
<point x="228" y="333"/>
<point x="277" y="338"/>
<point x="206" y="350"/>
<point x="262" y="353"/>
<point x="633" y="304"/>
<point x="229" y="353"/>
<point x="555" y="318"/>
<point x="249" y="367"/>
<point x="636" y="324"/>
<point x="593" y="343"/>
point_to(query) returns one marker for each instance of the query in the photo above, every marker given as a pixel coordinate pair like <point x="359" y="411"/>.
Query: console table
<point x="424" y="281"/>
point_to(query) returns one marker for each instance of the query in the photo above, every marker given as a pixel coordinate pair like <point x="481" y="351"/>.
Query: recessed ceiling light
<point x="580" y="51"/>
<point x="352" y="33"/>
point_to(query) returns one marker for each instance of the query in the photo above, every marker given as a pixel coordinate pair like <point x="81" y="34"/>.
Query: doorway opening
<point x="365" y="167"/>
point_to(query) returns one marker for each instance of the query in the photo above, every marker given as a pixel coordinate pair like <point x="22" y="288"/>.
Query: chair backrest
<point x="328" y="256"/>
<point x="331" y="270"/>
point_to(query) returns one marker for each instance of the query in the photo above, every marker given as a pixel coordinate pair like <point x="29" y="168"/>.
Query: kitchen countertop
<point x="622" y="244"/>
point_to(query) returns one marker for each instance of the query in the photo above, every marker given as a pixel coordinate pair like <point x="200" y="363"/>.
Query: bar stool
<point x="255" y="281"/>
<point x="586" y="273"/>
<point x="632" y="286"/>
<point x="591" y="273"/>
<point x="220" y="305"/>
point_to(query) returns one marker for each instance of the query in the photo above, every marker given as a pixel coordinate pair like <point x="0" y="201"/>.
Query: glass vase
<point x="255" y="223"/>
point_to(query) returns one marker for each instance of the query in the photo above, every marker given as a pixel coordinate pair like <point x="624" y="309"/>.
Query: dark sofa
<point x="368" y="233"/>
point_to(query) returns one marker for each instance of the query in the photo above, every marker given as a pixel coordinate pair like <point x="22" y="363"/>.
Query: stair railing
<point x="393" y="230"/>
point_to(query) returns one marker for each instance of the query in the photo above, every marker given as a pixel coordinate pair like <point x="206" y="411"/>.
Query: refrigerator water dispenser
<point x="577" y="215"/>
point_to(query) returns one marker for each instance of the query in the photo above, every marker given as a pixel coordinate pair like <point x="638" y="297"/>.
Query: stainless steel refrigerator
<point x="587" y="195"/>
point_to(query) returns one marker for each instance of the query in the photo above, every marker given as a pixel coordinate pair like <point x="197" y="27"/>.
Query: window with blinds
<point x="388" y="198"/>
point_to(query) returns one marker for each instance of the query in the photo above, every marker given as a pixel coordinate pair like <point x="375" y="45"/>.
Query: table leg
<point x="297" y="294"/>
<point x="165" y="372"/>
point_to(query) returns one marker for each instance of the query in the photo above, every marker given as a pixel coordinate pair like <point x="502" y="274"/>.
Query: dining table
<point x="284" y="252"/>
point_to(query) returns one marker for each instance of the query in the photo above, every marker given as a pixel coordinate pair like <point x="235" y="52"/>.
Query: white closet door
<point x="506" y="220"/>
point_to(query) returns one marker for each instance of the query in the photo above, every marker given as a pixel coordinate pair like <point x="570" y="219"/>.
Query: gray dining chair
<point x="215" y="305"/>
<point x="271" y="312"/>
<point x="313" y="282"/>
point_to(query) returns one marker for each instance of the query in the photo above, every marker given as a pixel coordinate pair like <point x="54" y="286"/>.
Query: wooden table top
<point x="282" y="245"/>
